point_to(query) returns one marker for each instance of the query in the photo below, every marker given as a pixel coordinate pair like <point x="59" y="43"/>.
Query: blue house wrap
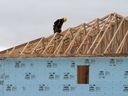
<point x="108" y="76"/>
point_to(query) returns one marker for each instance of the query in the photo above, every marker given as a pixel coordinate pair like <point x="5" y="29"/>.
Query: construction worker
<point x="58" y="25"/>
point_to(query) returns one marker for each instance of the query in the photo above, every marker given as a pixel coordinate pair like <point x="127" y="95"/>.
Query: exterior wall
<point x="108" y="76"/>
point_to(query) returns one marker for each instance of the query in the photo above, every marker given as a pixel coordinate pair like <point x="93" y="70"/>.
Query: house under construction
<point x="87" y="60"/>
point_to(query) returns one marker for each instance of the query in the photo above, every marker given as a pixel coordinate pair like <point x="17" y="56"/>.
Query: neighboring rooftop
<point x="100" y="37"/>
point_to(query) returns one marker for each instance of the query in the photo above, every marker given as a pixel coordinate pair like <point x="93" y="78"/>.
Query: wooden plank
<point x="11" y="50"/>
<point x="83" y="74"/>
<point x="61" y="42"/>
<point x="102" y="36"/>
<point x="98" y="35"/>
<point x="24" y="48"/>
<point x="122" y="43"/>
<point x="72" y="42"/>
<point x="37" y="45"/>
<point x="83" y="41"/>
<point x="44" y="51"/>
<point x="114" y="35"/>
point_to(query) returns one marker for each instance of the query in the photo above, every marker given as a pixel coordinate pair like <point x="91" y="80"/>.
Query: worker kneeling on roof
<point x="58" y="24"/>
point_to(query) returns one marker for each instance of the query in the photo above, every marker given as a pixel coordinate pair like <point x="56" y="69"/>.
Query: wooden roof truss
<point x="108" y="35"/>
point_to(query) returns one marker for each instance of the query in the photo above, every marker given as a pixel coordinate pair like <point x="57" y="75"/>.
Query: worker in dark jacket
<point x="58" y="24"/>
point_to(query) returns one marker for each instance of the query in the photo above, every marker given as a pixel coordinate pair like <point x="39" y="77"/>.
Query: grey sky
<point x="26" y="20"/>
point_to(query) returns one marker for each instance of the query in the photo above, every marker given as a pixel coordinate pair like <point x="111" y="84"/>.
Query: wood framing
<point x="100" y="37"/>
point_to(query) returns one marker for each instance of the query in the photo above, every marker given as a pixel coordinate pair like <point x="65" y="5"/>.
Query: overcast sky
<point x="26" y="20"/>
